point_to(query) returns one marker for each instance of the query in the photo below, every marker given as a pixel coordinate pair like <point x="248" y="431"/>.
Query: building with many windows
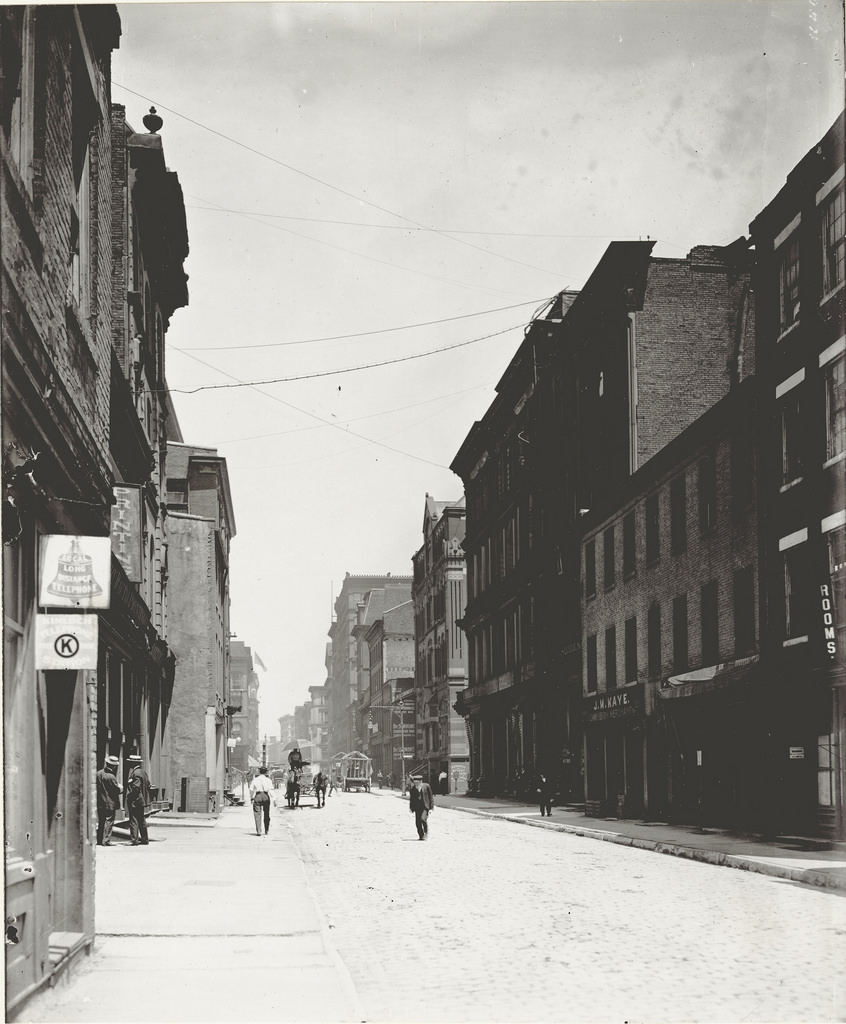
<point x="439" y="594"/>
<point x="675" y="726"/>
<point x="57" y="364"/>
<point x="601" y="383"/>
<point x="801" y="359"/>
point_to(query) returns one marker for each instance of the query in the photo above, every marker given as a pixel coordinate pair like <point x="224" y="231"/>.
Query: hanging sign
<point x="127" y="531"/>
<point x="76" y="572"/>
<point x="65" y="642"/>
<point x="828" y="620"/>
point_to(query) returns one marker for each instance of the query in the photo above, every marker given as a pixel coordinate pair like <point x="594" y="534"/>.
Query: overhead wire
<point x="373" y="259"/>
<point x="355" y="419"/>
<point x="336" y="426"/>
<point x="406" y="227"/>
<point x="334" y="188"/>
<point x="333" y="373"/>
<point x="360" y="334"/>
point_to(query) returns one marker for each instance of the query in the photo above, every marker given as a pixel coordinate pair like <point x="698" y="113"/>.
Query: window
<point x="744" y="611"/>
<point x="591" y="663"/>
<point x="631" y="650"/>
<point x="590" y="568"/>
<point x="611" y="658"/>
<point x="788" y="280"/>
<point x="653" y="536"/>
<point x="707" y="493"/>
<point x="791" y="451"/>
<point x="710" y="624"/>
<point x="825" y="770"/>
<point x="21" y="93"/>
<point x="653" y="641"/>
<point x="629" y="545"/>
<point x="835" y="407"/>
<point x="678" y="515"/>
<point x="833" y="243"/>
<point x="680" y="633"/>
<point x="608" y="567"/>
<point x="796" y="592"/>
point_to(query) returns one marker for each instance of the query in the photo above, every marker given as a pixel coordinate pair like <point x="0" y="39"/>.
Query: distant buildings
<point x="243" y="709"/>
<point x="439" y="593"/>
<point x="347" y="662"/>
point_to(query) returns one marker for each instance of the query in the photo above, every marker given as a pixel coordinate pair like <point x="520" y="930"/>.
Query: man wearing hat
<point x="421" y="802"/>
<point x="108" y="800"/>
<point x="137" y="798"/>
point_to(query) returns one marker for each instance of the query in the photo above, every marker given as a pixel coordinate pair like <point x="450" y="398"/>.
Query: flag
<point x="258" y="661"/>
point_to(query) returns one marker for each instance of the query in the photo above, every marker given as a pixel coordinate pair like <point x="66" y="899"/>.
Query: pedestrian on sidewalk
<point x="421" y="802"/>
<point x="137" y="799"/>
<point x="443" y="782"/>
<point x="546" y="791"/>
<point x="380" y="779"/>
<point x="261" y="793"/>
<point x="108" y="800"/>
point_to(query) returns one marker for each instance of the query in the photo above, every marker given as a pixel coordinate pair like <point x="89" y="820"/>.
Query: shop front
<point x="615" y="754"/>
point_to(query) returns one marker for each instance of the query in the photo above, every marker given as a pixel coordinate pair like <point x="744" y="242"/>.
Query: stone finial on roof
<point x="152" y="121"/>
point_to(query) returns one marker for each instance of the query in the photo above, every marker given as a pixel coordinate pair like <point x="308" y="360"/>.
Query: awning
<point x="706" y="680"/>
<point x="252" y="762"/>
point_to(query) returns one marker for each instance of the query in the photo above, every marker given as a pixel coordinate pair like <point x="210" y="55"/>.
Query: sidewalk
<point x="798" y="859"/>
<point x="210" y="922"/>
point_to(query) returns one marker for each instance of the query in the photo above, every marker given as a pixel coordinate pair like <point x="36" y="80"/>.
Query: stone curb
<point x="808" y="876"/>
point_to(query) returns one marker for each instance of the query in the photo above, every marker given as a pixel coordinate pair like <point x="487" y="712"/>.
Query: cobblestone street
<point x="490" y="921"/>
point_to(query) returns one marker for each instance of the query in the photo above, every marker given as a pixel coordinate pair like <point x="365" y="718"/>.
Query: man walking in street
<point x="108" y="800"/>
<point x="137" y="799"/>
<point x="320" y="788"/>
<point x="421" y="802"/>
<point x="261" y="792"/>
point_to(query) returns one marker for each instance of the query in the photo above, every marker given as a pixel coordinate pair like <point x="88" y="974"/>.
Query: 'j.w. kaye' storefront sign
<point x="619" y="704"/>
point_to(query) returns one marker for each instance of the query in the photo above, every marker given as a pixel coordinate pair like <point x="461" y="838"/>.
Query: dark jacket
<point x="138" y="787"/>
<point x="108" y="791"/>
<point x="421" y="799"/>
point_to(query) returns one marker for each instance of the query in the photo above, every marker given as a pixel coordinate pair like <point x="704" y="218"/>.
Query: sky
<point x="380" y="197"/>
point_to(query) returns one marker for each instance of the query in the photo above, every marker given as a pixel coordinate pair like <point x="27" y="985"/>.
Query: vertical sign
<point x="828" y="620"/>
<point x="126" y="531"/>
<point x="76" y="572"/>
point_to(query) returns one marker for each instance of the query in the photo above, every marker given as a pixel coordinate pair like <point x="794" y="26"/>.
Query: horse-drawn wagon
<point x="354" y="770"/>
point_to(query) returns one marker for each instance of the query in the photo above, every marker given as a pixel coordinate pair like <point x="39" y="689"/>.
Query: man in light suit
<point x="421" y="802"/>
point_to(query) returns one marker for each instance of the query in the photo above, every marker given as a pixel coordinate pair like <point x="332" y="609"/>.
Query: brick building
<point x="801" y="359"/>
<point x="55" y="278"/>
<point x="673" y="698"/>
<point x="149" y="246"/>
<point x="600" y="384"/>
<point x="201" y="525"/>
<point x="439" y="594"/>
<point x="345" y="665"/>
